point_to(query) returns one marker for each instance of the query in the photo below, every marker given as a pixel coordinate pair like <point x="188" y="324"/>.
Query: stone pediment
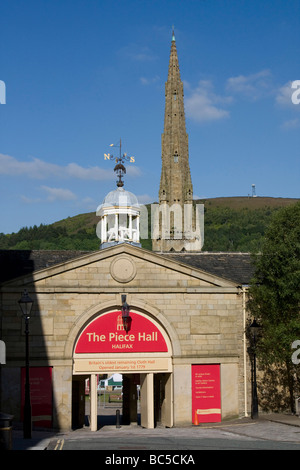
<point x="122" y="268"/>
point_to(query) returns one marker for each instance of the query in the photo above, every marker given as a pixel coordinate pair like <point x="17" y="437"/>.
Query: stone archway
<point x="102" y="346"/>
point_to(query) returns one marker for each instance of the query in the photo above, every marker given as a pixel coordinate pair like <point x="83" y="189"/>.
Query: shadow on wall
<point x="13" y="264"/>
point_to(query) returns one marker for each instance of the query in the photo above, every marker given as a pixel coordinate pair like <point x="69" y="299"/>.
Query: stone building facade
<point x="199" y="314"/>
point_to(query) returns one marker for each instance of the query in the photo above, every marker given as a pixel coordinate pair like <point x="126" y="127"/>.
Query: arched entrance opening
<point x="142" y="355"/>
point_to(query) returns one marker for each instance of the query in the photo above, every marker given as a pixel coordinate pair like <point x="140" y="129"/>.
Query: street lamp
<point x="254" y="329"/>
<point x="26" y="305"/>
<point x="126" y="319"/>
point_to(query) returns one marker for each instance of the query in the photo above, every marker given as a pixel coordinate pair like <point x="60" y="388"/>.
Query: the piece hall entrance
<point x="142" y="355"/>
<point x="146" y="400"/>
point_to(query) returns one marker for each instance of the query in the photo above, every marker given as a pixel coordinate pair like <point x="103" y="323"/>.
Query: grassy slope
<point x="231" y="224"/>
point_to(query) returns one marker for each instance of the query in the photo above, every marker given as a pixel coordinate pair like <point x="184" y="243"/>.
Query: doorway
<point x="131" y="399"/>
<point x="163" y="402"/>
<point x="78" y="401"/>
<point x="145" y="399"/>
<point x="148" y="399"/>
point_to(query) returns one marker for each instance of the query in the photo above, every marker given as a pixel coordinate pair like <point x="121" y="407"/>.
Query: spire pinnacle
<point x="173" y="34"/>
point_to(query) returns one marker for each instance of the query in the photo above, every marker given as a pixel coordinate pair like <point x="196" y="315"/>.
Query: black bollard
<point x="118" y="419"/>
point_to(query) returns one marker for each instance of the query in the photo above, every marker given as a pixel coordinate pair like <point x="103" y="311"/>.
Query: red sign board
<point x="106" y="334"/>
<point x="206" y="393"/>
<point x="40" y="380"/>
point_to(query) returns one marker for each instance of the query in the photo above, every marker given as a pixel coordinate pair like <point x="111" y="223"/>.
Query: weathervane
<point x="120" y="160"/>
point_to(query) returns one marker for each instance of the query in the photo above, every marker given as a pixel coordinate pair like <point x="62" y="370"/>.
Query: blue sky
<point x="81" y="74"/>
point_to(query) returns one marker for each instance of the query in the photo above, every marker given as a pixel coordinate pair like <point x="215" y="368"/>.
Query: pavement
<point x="41" y="439"/>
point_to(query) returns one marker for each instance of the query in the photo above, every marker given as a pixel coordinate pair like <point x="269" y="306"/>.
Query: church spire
<point x="175" y="183"/>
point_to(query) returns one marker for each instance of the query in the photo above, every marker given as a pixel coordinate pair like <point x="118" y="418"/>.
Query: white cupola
<point x="120" y="211"/>
<point x="119" y="219"/>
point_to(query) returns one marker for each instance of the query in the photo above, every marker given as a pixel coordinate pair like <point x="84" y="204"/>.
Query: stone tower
<point x="176" y="227"/>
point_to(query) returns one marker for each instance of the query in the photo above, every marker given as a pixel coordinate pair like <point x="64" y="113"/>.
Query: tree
<point x="274" y="300"/>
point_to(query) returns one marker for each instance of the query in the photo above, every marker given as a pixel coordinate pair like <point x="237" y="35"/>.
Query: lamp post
<point x="26" y="305"/>
<point x="126" y="319"/>
<point x="254" y="328"/>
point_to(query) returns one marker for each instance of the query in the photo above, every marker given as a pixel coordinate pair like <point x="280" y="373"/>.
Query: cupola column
<point x="130" y="226"/>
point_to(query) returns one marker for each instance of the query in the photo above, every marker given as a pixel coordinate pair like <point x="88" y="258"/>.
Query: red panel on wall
<point x="106" y="334"/>
<point x="40" y="379"/>
<point x="206" y="393"/>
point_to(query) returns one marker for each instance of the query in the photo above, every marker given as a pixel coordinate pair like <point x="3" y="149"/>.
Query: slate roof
<point x="15" y="263"/>
<point x="236" y="267"/>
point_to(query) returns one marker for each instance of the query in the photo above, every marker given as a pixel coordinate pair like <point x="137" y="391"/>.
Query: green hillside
<point x="230" y="224"/>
